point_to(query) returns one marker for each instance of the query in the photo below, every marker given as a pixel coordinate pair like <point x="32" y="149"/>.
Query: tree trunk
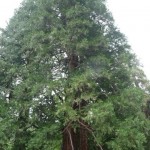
<point x="74" y="140"/>
<point x="83" y="138"/>
<point x="67" y="140"/>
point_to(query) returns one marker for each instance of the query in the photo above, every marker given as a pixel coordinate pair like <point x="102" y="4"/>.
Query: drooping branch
<point x="90" y="130"/>
<point x="70" y="137"/>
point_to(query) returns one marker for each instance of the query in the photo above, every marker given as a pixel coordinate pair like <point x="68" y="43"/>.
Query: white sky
<point x="133" y="19"/>
<point x="131" y="16"/>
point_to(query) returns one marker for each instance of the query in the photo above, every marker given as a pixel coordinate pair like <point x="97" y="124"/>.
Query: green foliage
<point x="65" y="61"/>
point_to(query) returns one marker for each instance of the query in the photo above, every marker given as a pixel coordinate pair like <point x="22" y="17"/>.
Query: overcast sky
<point x="133" y="19"/>
<point x="131" y="16"/>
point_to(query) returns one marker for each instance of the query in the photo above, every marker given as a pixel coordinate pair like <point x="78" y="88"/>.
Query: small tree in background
<point x="69" y="80"/>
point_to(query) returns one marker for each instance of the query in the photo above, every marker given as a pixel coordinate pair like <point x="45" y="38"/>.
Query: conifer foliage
<point x="69" y="81"/>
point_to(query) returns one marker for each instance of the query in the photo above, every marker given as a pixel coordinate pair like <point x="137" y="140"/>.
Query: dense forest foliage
<point x="69" y="80"/>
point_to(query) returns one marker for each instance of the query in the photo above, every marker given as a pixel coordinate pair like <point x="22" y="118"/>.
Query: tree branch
<point x="90" y="130"/>
<point x="70" y="139"/>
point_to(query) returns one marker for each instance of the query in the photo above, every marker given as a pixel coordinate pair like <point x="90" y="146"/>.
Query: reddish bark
<point x="66" y="140"/>
<point x="75" y="140"/>
<point x="83" y="139"/>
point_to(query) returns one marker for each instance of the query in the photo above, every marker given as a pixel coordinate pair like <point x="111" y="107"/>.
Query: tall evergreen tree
<point x="69" y="80"/>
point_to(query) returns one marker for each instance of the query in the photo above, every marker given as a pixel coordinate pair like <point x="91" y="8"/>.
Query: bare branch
<point x="90" y="130"/>
<point x="70" y="139"/>
<point x="67" y="126"/>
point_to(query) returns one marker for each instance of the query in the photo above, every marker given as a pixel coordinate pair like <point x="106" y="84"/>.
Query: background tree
<point x="69" y="80"/>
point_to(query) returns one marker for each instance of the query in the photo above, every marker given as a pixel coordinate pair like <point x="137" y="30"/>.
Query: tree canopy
<point x="69" y="80"/>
